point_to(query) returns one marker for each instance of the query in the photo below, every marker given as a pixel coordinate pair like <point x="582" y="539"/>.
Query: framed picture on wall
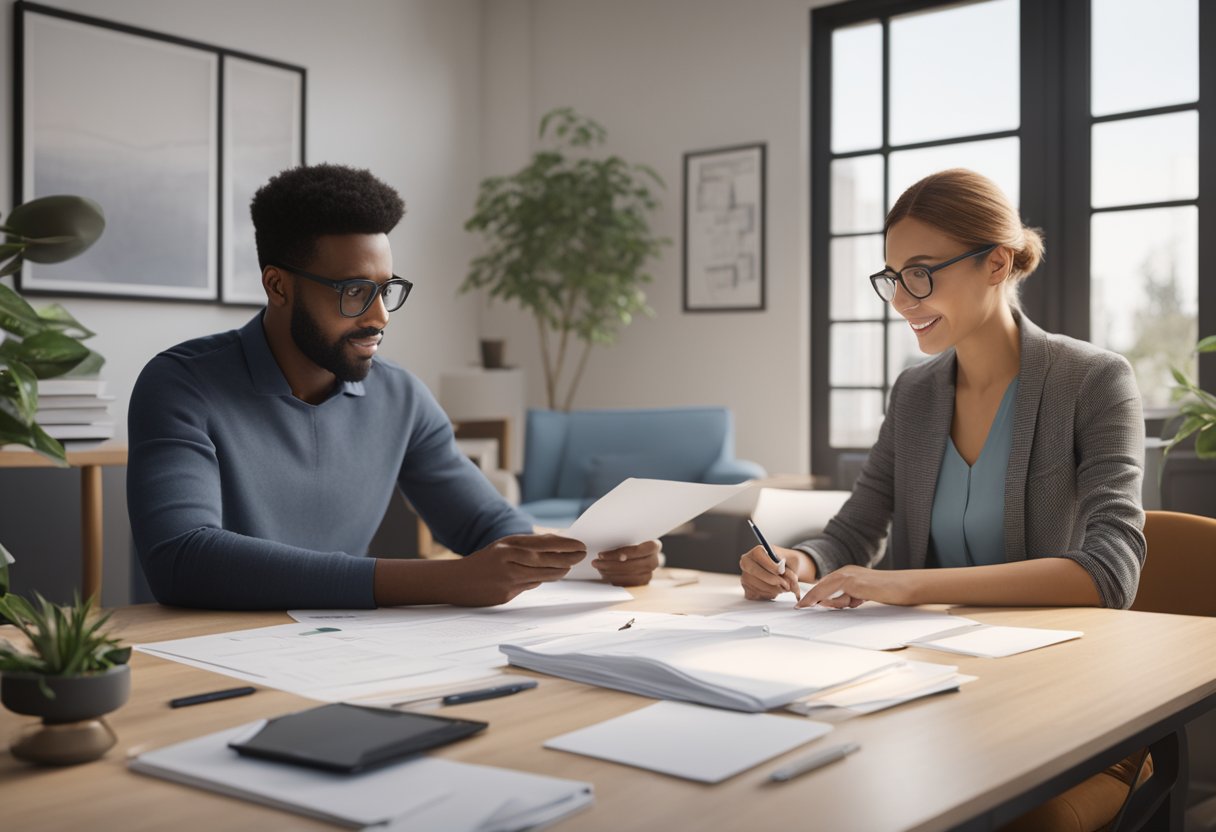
<point x="263" y="118"/>
<point x="170" y="136"/>
<point x="724" y="229"/>
<point x="129" y="120"/>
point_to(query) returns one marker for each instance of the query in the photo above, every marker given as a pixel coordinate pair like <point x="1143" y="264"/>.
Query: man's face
<point x="343" y="346"/>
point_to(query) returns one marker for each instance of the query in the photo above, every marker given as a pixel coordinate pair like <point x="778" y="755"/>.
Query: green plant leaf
<point x="11" y="267"/>
<point x="17" y="316"/>
<point x="74" y="222"/>
<point x="50" y="354"/>
<point x="1207" y="344"/>
<point x="59" y="319"/>
<point x="1205" y="443"/>
<point x="19" y="386"/>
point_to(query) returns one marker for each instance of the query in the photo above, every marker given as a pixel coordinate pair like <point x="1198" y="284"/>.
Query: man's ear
<point x="275" y="285"/>
<point x="999" y="265"/>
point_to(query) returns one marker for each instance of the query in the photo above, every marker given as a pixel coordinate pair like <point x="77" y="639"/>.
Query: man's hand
<point x="763" y="580"/>
<point x="629" y="565"/>
<point x="507" y="567"/>
<point x="851" y="586"/>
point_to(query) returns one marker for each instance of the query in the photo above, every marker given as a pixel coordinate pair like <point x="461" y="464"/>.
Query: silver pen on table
<point x="813" y="761"/>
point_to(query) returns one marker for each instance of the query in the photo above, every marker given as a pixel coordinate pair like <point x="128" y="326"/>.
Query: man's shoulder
<point x="205" y="347"/>
<point x="189" y="361"/>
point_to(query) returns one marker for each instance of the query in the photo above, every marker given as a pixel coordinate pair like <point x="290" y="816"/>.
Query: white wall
<point x="394" y="86"/>
<point x="666" y="78"/>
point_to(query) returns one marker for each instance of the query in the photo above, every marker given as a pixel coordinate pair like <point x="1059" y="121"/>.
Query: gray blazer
<point x="1072" y="488"/>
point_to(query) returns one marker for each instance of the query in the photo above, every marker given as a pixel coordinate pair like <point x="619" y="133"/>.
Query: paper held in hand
<point x="638" y="510"/>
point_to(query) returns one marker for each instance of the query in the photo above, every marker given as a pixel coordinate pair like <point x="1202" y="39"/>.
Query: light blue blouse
<point x="968" y="521"/>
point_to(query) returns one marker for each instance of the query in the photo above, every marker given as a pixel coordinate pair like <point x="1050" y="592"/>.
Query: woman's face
<point x="965" y="294"/>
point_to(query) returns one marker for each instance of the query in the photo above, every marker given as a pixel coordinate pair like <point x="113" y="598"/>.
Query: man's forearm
<point x="408" y="581"/>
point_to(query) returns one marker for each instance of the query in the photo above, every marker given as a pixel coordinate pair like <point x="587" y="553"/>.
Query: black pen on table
<point x="487" y="693"/>
<point x="213" y="696"/>
<point x="780" y="563"/>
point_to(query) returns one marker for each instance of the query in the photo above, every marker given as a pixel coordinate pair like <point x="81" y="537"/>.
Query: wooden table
<point x="90" y="462"/>
<point x="1031" y="726"/>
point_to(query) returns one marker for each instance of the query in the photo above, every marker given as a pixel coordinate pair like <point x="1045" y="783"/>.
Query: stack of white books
<point x="75" y="408"/>
<point x="745" y="669"/>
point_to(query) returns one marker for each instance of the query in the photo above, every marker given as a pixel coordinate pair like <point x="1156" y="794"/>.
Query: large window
<point x="1085" y="112"/>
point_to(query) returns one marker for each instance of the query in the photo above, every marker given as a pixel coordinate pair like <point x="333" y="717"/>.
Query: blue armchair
<point x="572" y="459"/>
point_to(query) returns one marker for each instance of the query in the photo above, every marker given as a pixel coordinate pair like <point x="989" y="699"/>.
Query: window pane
<point x="1144" y="54"/>
<point x="857" y="194"/>
<point x="856" y="416"/>
<point x="955" y="72"/>
<point x="857" y="88"/>
<point x="1144" y="292"/>
<point x="1146" y="159"/>
<point x="996" y="158"/>
<point x="854" y="259"/>
<point x="902" y="349"/>
<point x="856" y="355"/>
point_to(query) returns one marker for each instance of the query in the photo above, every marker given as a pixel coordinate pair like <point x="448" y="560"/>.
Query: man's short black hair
<point x="301" y="204"/>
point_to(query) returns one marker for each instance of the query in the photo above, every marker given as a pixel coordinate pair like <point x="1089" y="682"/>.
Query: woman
<point x="1008" y="467"/>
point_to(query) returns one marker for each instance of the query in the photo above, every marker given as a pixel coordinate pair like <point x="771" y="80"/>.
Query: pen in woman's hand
<point x="780" y="563"/>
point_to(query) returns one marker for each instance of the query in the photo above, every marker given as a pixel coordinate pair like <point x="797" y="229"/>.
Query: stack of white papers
<point x="747" y="669"/>
<point x="690" y="741"/>
<point x="422" y="793"/>
<point x="908" y="681"/>
<point x="992" y="642"/>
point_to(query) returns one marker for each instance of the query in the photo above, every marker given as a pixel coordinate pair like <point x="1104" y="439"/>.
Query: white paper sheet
<point x="996" y="642"/>
<point x="871" y="626"/>
<point x="638" y="510"/>
<point x="690" y="741"/>
<point x="552" y="594"/>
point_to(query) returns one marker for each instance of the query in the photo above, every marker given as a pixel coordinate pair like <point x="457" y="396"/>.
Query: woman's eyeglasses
<point x="916" y="280"/>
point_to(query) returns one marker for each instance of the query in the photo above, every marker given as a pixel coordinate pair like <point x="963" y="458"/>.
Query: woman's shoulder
<point x="1073" y="358"/>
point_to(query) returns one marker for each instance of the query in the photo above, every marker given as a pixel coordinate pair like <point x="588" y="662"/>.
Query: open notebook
<point x="744" y="669"/>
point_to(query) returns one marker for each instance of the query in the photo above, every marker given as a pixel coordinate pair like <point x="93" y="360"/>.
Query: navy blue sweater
<point x="241" y="496"/>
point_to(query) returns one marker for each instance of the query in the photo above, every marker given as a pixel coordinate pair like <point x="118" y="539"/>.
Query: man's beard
<point x="329" y="356"/>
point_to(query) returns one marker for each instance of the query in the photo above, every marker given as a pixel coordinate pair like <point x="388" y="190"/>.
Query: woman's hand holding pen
<point x="764" y="580"/>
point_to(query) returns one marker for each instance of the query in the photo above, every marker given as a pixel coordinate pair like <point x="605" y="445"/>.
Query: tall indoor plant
<point x="569" y="239"/>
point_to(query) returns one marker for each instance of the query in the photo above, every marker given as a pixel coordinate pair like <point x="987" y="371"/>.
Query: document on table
<point x="744" y="669"/>
<point x="871" y="626"/>
<point x="420" y="793"/>
<point x="638" y="510"/>
<point x="992" y="642"/>
<point x="904" y="683"/>
<point x="690" y="741"/>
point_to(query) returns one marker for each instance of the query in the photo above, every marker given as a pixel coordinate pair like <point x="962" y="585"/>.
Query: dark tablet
<point x="348" y="738"/>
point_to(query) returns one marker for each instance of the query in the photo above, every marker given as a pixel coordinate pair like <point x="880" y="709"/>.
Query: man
<point x="262" y="459"/>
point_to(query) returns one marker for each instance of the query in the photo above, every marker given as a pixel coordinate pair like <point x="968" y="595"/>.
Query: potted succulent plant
<point x="568" y="240"/>
<point x="73" y="673"/>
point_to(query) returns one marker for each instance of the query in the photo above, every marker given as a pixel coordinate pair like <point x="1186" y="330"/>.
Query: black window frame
<point x="1054" y="161"/>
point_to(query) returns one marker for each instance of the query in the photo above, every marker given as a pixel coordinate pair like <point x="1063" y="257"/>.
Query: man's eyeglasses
<point x="355" y="296"/>
<point x="916" y="280"/>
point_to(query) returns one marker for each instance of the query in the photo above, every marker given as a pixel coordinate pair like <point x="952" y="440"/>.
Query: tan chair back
<point x="1180" y="571"/>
